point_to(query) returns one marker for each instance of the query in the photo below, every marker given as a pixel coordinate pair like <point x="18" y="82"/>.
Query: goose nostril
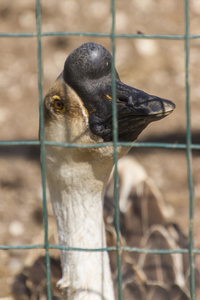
<point x="130" y="100"/>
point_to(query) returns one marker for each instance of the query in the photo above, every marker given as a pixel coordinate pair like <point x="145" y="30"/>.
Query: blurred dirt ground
<point x="154" y="65"/>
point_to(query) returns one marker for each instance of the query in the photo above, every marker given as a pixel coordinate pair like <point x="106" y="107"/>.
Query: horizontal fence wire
<point x="104" y="35"/>
<point x="113" y="248"/>
<point x="100" y="145"/>
<point x="42" y="143"/>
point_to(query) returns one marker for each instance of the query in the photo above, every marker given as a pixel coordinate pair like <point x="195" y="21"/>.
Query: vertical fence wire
<point x="42" y="150"/>
<point x="189" y="152"/>
<point x="115" y="144"/>
<point x="188" y="146"/>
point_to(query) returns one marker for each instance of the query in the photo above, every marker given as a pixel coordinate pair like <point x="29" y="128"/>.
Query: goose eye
<point x="58" y="104"/>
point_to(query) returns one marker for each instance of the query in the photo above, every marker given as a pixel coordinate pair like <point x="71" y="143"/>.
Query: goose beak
<point x="142" y="104"/>
<point x="136" y="109"/>
<point x="88" y="71"/>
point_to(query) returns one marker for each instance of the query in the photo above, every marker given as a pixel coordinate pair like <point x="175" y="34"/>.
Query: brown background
<point x="156" y="66"/>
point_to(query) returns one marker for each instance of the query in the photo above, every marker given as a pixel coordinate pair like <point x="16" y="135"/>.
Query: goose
<point x="78" y="109"/>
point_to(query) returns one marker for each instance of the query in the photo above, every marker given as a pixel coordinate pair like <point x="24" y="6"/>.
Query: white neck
<point x="76" y="194"/>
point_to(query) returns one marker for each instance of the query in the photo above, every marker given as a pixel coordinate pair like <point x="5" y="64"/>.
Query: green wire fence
<point x="188" y="146"/>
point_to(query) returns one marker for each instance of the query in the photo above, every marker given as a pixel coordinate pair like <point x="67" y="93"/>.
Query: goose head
<point x="78" y="107"/>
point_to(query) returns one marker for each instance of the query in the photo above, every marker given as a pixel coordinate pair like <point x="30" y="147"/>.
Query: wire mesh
<point x="188" y="146"/>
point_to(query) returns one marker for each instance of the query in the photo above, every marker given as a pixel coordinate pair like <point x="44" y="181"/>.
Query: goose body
<point x="144" y="223"/>
<point x="78" y="109"/>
